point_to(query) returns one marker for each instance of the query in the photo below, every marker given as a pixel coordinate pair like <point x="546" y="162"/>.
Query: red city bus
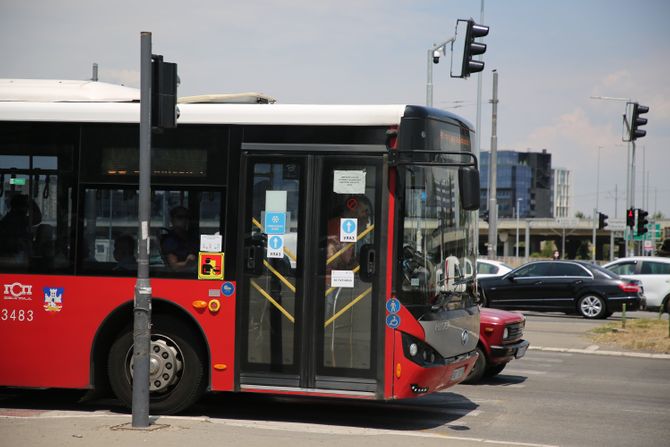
<point x="294" y="249"/>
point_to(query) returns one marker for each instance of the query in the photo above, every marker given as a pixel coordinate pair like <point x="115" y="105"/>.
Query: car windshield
<point x="438" y="235"/>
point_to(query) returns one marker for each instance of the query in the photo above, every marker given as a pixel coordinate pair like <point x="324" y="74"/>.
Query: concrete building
<point x="562" y="190"/>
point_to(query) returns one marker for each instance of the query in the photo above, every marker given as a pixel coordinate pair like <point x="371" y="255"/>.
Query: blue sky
<point x="551" y="56"/>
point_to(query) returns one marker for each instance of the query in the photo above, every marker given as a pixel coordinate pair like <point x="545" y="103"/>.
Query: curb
<point x="594" y="350"/>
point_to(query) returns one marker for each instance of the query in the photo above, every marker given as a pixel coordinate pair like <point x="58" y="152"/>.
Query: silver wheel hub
<point x="591" y="306"/>
<point x="165" y="364"/>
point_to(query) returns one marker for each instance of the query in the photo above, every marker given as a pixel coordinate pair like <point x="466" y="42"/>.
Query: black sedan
<point x="561" y="286"/>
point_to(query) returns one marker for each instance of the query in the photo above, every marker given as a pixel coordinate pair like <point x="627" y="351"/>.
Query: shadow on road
<point x="425" y="412"/>
<point x="411" y="414"/>
<point x="502" y="380"/>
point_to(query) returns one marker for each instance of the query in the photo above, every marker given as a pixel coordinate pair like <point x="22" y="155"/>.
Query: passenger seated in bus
<point x="179" y="247"/>
<point x="16" y="227"/>
<point x="124" y="253"/>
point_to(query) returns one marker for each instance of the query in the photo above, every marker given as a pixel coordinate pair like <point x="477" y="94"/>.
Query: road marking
<point x="610" y="353"/>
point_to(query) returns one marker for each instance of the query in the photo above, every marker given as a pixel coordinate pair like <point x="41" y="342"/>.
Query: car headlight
<point x="505" y="333"/>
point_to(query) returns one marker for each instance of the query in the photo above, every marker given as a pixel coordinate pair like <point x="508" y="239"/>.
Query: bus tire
<point x="177" y="372"/>
<point x="477" y="372"/>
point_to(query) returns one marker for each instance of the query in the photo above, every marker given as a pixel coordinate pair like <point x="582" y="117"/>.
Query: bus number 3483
<point x="17" y="315"/>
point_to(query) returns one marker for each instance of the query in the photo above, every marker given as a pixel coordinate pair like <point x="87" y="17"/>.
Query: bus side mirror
<point x="468" y="179"/>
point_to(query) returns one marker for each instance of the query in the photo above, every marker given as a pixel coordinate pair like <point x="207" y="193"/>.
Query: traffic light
<point x="473" y="48"/>
<point x="636" y="122"/>
<point x="642" y="221"/>
<point x="630" y="217"/>
<point x="602" y="220"/>
<point x="163" y="93"/>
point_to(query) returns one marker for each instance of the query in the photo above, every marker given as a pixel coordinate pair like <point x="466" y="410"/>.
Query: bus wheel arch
<point x="179" y="334"/>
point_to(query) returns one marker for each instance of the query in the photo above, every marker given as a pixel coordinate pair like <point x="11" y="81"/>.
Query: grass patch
<point x="639" y="335"/>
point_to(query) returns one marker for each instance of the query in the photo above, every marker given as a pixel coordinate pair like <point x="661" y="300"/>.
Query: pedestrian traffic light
<point x="642" y="221"/>
<point x="636" y="122"/>
<point x="602" y="220"/>
<point x="472" y="48"/>
<point x="630" y="217"/>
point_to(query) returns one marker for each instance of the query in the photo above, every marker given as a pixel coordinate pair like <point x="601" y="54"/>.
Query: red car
<point x="500" y="341"/>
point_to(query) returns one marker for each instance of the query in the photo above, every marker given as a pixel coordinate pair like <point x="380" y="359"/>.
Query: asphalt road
<point x="547" y="398"/>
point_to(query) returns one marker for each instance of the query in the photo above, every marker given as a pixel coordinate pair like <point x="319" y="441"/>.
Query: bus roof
<point x="92" y="101"/>
<point x="53" y="90"/>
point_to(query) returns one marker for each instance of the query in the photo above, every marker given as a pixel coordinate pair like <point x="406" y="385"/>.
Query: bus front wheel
<point x="176" y="366"/>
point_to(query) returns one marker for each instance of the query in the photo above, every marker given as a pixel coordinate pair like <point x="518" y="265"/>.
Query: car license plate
<point x="457" y="373"/>
<point x="521" y="352"/>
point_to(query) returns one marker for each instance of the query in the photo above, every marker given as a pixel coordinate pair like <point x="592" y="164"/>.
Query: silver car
<point x="653" y="272"/>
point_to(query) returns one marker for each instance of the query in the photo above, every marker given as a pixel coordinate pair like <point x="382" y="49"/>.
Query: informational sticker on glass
<point x="349" y="182"/>
<point x="210" y="265"/>
<point x="275" y="223"/>
<point x="342" y="278"/>
<point x="348" y="230"/>
<point x="275" y="201"/>
<point x="211" y="243"/>
<point x="276" y="246"/>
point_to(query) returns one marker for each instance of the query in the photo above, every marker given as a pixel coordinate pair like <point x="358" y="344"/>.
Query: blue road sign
<point x="393" y="306"/>
<point x="393" y="321"/>
<point x="228" y="288"/>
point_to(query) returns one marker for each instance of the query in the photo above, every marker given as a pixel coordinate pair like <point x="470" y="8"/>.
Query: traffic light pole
<point x="493" y="174"/>
<point x="142" y="308"/>
<point x="596" y="217"/>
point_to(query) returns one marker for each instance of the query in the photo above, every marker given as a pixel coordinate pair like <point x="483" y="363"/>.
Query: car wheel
<point x="592" y="307"/>
<point x="176" y="371"/>
<point x="666" y="306"/>
<point x="494" y="370"/>
<point x="477" y="371"/>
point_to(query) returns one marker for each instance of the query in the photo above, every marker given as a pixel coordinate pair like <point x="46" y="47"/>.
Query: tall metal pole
<point x="632" y="192"/>
<point x="429" y="81"/>
<point x="493" y="168"/>
<point x="518" y="203"/>
<point x="142" y="309"/>
<point x="595" y="210"/>
<point x="429" y="68"/>
<point x="478" y="123"/>
<point x="526" y="250"/>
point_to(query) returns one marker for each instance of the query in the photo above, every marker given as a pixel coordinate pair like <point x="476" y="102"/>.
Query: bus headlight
<point x="413" y="349"/>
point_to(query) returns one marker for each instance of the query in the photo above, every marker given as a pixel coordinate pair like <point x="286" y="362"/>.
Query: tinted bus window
<point x="178" y="218"/>
<point x="35" y="207"/>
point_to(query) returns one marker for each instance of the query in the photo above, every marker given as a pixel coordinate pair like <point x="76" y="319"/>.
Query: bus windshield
<point x="437" y="240"/>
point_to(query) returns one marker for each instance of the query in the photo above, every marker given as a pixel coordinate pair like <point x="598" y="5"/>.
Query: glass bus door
<point x="309" y="292"/>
